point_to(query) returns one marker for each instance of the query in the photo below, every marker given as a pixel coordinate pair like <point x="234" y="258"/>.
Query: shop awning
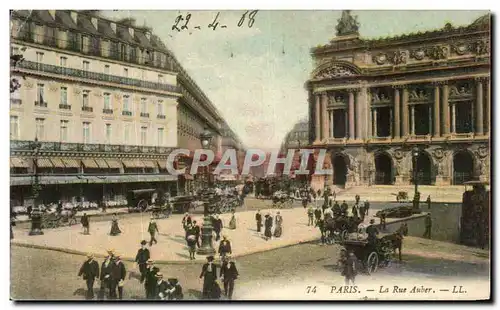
<point x="149" y="164"/>
<point x="57" y="162"/>
<point x="101" y="163"/>
<point x="162" y="163"/>
<point x="16" y="162"/>
<point x="133" y="163"/>
<point x="114" y="163"/>
<point x="44" y="163"/>
<point x="89" y="163"/>
<point x="71" y="163"/>
<point x="139" y="163"/>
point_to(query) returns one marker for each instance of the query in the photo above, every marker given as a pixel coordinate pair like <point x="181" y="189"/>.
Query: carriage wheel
<point x="372" y="263"/>
<point x="142" y="205"/>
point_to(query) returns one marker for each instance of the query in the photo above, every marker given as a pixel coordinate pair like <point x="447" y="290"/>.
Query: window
<point x="108" y="133"/>
<point x="40" y="128"/>
<point x="160" y="107"/>
<point x="126" y="103"/>
<point x="144" y="134"/>
<point x="126" y="134"/>
<point x="107" y="101"/>
<point x="106" y="69"/>
<point x="40" y="94"/>
<point x="86" y="132"/>
<point x="86" y="65"/>
<point x="85" y="98"/>
<point x="160" y="78"/>
<point x="125" y="72"/>
<point x="160" y="136"/>
<point x="63" y="130"/>
<point x="63" y="61"/>
<point x="14" y="50"/>
<point x="64" y="96"/>
<point x="14" y="127"/>
<point x="143" y="105"/>
<point x="143" y="74"/>
<point x="39" y="57"/>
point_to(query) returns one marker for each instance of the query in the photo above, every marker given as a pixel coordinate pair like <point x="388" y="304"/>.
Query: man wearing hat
<point x="105" y="276"/>
<point x="224" y="247"/>
<point x="228" y="274"/>
<point x="209" y="275"/>
<point x="268" y="225"/>
<point x="153" y="229"/>
<point x="142" y="257"/>
<point x="174" y="289"/>
<point x="118" y="273"/>
<point x="186" y="220"/>
<point x="217" y="224"/>
<point x="149" y="279"/>
<point x="258" y="219"/>
<point x="160" y="288"/>
<point x="350" y="268"/>
<point x="89" y="271"/>
<point x="372" y="232"/>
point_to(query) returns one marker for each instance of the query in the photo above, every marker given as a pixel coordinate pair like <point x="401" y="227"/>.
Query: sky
<point x="255" y="76"/>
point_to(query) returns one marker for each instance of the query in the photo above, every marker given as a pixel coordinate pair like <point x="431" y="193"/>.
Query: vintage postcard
<point x="250" y="155"/>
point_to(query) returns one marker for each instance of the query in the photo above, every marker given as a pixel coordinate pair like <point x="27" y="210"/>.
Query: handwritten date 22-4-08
<point x="182" y="22"/>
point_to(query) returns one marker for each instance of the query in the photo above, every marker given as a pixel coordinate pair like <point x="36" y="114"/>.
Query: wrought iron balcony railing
<point x="107" y="111"/>
<point x="30" y="65"/>
<point x="24" y="145"/>
<point x="64" y="106"/>
<point x="160" y="116"/>
<point x="87" y="109"/>
<point x="144" y="114"/>
<point x="127" y="113"/>
<point x="41" y="104"/>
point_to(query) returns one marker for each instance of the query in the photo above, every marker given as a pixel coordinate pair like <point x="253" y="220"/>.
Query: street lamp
<point x="36" y="214"/>
<point x="416" y="196"/>
<point x="206" y="231"/>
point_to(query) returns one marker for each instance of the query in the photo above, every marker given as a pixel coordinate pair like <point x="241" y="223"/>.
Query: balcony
<point x="64" y="106"/>
<point x="144" y="114"/>
<point x="126" y="113"/>
<point x="107" y="111"/>
<point x="41" y="104"/>
<point x="160" y="116"/>
<point x="87" y="109"/>
<point x="39" y="67"/>
<point x="16" y="101"/>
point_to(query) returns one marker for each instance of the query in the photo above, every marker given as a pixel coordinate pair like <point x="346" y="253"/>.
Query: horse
<point x="395" y="241"/>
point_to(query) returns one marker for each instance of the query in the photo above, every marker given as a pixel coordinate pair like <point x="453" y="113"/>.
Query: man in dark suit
<point x="118" y="273"/>
<point x="89" y="271"/>
<point x="209" y="275"/>
<point x="228" y="274"/>
<point x="224" y="248"/>
<point x="142" y="257"/>
<point x="85" y="223"/>
<point x="153" y="229"/>
<point x="350" y="269"/>
<point x="105" y="275"/>
<point x="197" y="231"/>
<point x="217" y="224"/>
<point x="258" y="218"/>
<point x="149" y="279"/>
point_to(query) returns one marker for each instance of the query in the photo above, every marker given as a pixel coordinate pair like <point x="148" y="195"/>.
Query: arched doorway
<point x="383" y="169"/>
<point x="339" y="170"/>
<point x="463" y="167"/>
<point x="424" y="169"/>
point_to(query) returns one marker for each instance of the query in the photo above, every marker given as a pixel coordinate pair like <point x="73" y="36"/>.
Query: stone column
<point x="367" y="116"/>
<point x="359" y="115"/>
<point x="330" y="114"/>
<point x="446" y="110"/>
<point x="317" y="119"/>
<point x="437" y="121"/>
<point x="429" y="108"/>
<point x="375" y="131"/>
<point x="453" y="119"/>
<point x="346" y="123"/>
<point x="412" y="119"/>
<point x="488" y="106"/>
<point x="324" y="117"/>
<point x="351" y="115"/>
<point x="391" y="122"/>
<point x="397" y="123"/>
<point x="479" y="107"/>
<point x="405" y="112"/>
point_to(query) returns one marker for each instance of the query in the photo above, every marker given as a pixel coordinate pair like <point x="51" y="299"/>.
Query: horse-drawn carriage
<point x="338" y="228"/>
<point x="369" y="254"/>
<point x="282" y="200"/>
<point x="139" y="200"/>
<point x="55" y="219"/>
<point x="219" y="203"/>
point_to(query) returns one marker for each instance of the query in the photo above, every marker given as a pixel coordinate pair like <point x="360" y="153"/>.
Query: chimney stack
<point x="74" y="17"/>
<point x="94" y="22"/>
<point x="113" y="26"/>
<point x="53" y="14"/>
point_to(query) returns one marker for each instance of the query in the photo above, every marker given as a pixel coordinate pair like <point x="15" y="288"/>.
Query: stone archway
<point x="339" y="170"/>
<point x="463" y="167"/>
<point x="424" y="169"/>
<point x="383" y="169"/>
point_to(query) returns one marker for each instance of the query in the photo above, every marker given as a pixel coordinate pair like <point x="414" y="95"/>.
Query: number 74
<point x="311" y="289"/>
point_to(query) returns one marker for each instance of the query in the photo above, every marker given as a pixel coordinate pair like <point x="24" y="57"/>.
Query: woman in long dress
<point x="115" y="230"/>
<point x="268" y="224"/>
<point x="232" y="223"/>
<point x="278" y="221"/>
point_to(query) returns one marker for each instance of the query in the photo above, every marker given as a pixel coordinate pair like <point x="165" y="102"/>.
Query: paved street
<point x="283" y="273"/>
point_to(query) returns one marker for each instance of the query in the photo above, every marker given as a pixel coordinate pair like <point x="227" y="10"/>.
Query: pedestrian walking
<point x="350" y="270"/>
<point x="197" y="231"/>
<point x="142" y="257"/>
<point x="174" y="289"/>
<point x="367" y="206"/>
<point x="321" y="226"/>
<point x="343" y="208"/>
<point x="89" y="271"/>
<point x="211" y="290"/>
<point x="428" y="200"/>
<point x="428" y="226"/>
<point x="105" y="275"/>
<point x="258" y="219"/>
<point x="232" y="222"/>
<point x="317" y="216"/>
<point x="224" y="248"/>
<point x="149" y="279"/>
<point x="85" y="224"/>
<point x="153" y="229"/>
<point x="355" y="211"/>
<point x="278" y="225"/>
<point x="160" y="290"/>
<point x="191" y="243"/>
<point x="310" y="215"/>
<point x="118" y="273"/>
<point x="268" y="224"/>
<point x="228" y="274"/>
<point x="186" y="220"/>
<point x="115" y="229"/>
<point x="217" y="224"/>
<point x="362" y="212"/>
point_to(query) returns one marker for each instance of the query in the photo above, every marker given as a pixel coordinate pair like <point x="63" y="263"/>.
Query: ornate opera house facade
<point x="382" y="106"/>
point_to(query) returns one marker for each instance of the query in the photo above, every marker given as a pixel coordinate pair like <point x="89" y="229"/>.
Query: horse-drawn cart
<point x="370" y="255"/>
<point x="139" y="200"/>
<point x="55" y="220"/>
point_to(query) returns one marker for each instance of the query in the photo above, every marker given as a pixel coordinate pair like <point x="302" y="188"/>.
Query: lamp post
<point x="206" y="231"/>
<point x="36" y="214"/>
<point x="416" y="196"/>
